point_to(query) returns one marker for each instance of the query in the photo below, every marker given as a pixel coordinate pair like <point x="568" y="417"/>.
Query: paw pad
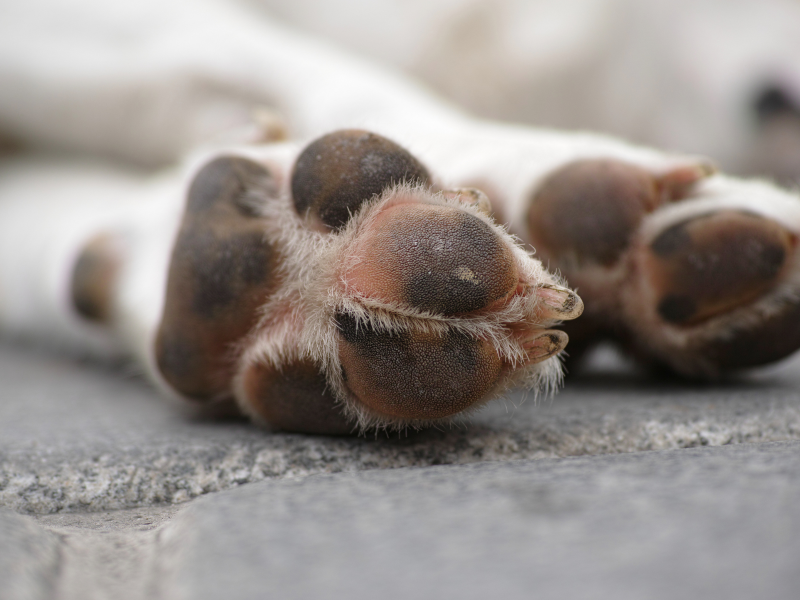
<point x="588" y="210"/>
<point x="715" y="262"/>
<point x="415" y="375"/>
<point x="222" y="270"/>
<point x="337" y="173"/>
<point x="294" y="398"/>
<point x="93" y="278"/>
<point x="435" y="258"/>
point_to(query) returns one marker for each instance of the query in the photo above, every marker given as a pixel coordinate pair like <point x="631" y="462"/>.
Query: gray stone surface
<point x="29" y="559"/>
<point x="712" y="523"/>
<point x="82" y="556"/>
<point x="75" y="438"/>
<point x="700" y="523"/>
<point x="110" y="555"/>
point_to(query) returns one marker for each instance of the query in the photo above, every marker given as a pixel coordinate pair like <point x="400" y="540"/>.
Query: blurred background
<point x="714" y="77"/>
<point x="720" y="78"/>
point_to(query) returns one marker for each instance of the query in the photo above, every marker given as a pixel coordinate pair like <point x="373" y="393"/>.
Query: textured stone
<point x="109" y="555"/>
<point x="699" y="523"/>
<point x="29" y="559"/>
<point x="82" y="556"/>
<point x="76" y="437"/>
<point x="713" y="523"/>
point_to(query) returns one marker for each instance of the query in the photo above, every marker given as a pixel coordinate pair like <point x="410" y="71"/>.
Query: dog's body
<point x="691" y="269"/>
<point x="712" y="77"/>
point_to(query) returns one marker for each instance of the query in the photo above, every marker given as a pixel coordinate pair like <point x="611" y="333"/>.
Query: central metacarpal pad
<point x="415" y="375"/>
<point x="434" y="258"/>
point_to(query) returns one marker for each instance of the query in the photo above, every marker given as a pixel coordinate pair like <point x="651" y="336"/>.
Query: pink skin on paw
<point x="434" y="258"/>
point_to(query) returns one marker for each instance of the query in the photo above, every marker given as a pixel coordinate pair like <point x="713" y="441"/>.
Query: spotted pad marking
<point x="715" y="262"/>
<point x="222" y="270"/>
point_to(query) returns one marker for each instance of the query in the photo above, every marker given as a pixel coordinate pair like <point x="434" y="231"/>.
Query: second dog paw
<point x="689" y="269"/>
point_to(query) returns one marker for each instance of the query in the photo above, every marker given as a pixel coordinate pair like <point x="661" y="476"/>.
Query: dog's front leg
<point x="333" y="288"/>
<point x="76" y="236"/>
<point x="149" y="83"/>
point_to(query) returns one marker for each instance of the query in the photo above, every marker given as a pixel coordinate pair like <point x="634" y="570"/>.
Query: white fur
<point x="677" y="74"/>
<point x="148" y="81"/>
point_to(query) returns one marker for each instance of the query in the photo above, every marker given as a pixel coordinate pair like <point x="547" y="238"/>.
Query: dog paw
<point x="692" y="270"/>
<point x="346" y="290"/>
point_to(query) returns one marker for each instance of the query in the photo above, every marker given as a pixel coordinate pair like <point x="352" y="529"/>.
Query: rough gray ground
<point x="77" y="442"/>
<point x="29" y="559"/>
<point x="76" y="438"/>
<point x="701" y="523"/>
<point x="712" y="523"/>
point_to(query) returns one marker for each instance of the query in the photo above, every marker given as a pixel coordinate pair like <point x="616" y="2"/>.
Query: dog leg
<point x="338" y="318"/>
<point x="71" y="232"/>
<point x="327" y="295"/>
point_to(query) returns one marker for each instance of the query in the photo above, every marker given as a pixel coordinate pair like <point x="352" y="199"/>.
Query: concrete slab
<point x="82" y="556"/>
<point x="74" y="437"/>
<point x="700" y="523"/>
<point x="29" y="559"/>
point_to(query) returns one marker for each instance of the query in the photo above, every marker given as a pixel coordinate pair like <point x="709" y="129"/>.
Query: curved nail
<point x="471" y="197"/>
<point x="543" y="344"/>
<point x="559" y="302"/>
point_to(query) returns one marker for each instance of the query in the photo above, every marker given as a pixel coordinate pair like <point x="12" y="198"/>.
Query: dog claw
<point x="471" y="197"/>
<point x="543" y="344"/>
<point x="560" y="303"/>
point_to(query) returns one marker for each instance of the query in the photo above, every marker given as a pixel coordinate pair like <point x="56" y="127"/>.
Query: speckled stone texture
<point x="713" y="523"/>
<point x="74" y="437"/>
